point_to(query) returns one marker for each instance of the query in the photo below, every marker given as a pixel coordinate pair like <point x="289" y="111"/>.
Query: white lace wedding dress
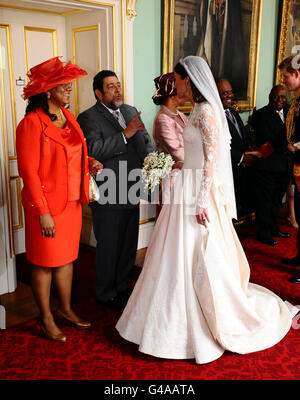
<point x="193" y="298"/>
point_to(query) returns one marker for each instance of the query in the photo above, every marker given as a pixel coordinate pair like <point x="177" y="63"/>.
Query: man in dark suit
<point x="239" y="144"/>
<point x="115" y="135"/>
<point x="272" y="171"/>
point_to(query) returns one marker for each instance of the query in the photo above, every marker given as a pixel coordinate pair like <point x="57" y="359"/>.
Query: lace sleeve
<point x="206" y="123"/>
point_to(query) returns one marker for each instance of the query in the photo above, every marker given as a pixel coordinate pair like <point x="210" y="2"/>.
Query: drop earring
<point x="186" y="85"/>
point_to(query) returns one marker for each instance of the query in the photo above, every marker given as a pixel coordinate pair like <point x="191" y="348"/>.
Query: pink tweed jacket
<point x="167" y="132"/>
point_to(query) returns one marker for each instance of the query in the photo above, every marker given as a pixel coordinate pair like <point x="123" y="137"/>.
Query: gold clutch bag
<point x="94" y="194"/>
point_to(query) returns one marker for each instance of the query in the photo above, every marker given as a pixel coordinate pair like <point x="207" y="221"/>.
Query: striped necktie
<point x="117" y="115"/>
<point x="229" y="115"/>
<point x="234" y="121"/>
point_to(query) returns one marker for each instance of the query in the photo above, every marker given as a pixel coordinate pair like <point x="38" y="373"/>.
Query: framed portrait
<point x="224" y="32"/>
<point x="289" y="32"/>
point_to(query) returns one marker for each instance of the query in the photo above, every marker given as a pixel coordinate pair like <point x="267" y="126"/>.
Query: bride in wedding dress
<point x="193" y="298"/>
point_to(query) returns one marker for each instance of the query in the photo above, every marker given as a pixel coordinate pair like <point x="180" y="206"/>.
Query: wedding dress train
<point x="193" y="298"/>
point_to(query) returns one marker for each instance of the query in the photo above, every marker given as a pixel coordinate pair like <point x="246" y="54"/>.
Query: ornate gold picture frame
<point x="289" y="32"/>
<point x="189" y="29"/>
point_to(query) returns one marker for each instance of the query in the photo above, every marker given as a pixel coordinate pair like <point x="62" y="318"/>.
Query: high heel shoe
<point x="60" y="337"/>
<point x="80" y="324"/>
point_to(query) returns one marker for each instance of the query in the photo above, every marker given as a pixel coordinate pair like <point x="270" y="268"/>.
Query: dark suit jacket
<point x="239" y="144"/>
<point x="106" y="143"/>
<point x="269" y="128"/>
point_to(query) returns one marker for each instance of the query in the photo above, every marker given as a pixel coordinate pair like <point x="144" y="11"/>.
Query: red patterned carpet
<point x="101" y="354"/>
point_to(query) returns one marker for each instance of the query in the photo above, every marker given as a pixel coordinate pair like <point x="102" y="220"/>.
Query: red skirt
<point x="64" y="247"/>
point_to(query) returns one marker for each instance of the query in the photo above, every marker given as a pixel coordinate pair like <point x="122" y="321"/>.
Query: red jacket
<point x="42" y="163"/>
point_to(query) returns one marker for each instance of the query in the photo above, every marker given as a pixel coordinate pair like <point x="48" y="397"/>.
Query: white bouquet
<point x="156" y="166"/>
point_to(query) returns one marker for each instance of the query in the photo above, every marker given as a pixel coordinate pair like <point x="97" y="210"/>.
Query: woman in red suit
<point x="54" y="166"/>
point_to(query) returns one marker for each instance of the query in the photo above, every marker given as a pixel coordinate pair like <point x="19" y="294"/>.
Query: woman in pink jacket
<point x="169" y="122"/>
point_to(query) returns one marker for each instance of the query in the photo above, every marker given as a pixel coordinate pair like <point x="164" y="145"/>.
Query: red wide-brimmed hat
<point x="49" y="74"/>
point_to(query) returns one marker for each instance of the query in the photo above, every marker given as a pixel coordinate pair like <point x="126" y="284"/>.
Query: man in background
<point x="271" y="173"/>
<point x="239" y="144"/>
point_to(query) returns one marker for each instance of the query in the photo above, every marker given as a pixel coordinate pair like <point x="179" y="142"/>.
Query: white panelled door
<point x="89" y="33"/>
<point x="25" y="41"/>
<point x="89" y="36"/>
